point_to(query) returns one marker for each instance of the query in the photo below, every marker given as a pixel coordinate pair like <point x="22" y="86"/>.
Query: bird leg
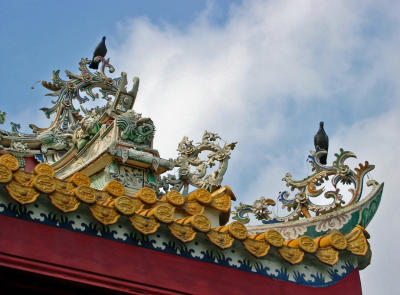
<point x="99" y="59"/>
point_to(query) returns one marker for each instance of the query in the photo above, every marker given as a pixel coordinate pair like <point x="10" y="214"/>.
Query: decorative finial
<point x="189" y="157"/>
<point x="321" y="143"/>
<point x="100" y="51"/>
<point x="2" y="117"/>
<point x="311" y="188"/>
<point x="15" y="128"/>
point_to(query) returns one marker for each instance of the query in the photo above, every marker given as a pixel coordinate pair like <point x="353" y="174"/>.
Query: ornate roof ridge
<point x="146" y="213"/>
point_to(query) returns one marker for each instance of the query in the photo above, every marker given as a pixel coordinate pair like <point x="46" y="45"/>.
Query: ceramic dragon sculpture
<point x="136" y="129"/>
<point x="69" y="126"/>
<point x="192" y="170"/>
<point x="301" y="204"/>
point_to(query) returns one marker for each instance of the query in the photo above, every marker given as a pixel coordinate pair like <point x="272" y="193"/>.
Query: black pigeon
<point x="100" y="50"/>
<point x="321" y="142"/>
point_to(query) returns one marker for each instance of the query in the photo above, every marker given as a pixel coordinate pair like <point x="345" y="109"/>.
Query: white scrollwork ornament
<point x="192" y="170"/>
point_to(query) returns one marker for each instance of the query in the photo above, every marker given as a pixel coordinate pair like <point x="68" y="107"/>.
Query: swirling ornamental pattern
<point x="189" y="158"/>
<point x="310" y="187"/>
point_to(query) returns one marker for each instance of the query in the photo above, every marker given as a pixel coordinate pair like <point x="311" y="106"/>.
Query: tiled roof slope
<point x="185" y="217"/>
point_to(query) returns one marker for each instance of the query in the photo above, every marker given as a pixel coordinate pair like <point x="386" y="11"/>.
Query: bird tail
<point x="94" y="65"/>
<point x="323" y="159"/>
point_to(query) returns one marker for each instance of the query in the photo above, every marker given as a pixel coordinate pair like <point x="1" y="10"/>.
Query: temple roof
<point x="97" y="172"/>
<point x="200" y="211"/>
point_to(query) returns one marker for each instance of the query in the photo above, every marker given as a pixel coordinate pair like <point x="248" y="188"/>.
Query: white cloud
<point x="377" y="140"/>
<point x="266" y="78"/>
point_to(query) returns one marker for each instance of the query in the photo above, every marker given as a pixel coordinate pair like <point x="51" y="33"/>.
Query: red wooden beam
<point x="125" y="268"/>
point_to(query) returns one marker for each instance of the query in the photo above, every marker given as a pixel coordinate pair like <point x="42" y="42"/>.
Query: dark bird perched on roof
<point x="321" y="142"/>
<point x="100" y="50"/>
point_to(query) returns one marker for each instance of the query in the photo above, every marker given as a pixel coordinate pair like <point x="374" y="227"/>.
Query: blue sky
<point x="263" y="73"/>
<point x="39" y="36"/>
